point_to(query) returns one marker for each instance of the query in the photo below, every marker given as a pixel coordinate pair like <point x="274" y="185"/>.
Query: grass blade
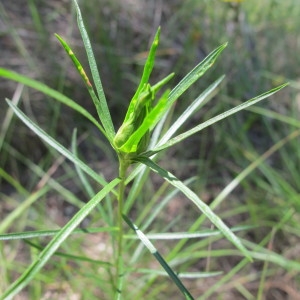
<point x="49" y="250"/>
<point x="50" y="92"/>
<point x="215" y="119"/>
<point x="189" y="235"/>
<point x="275" y="115"/>
<point x="198" y="202"/>
<point x="26" y="203"/>
<point x="76" y="258"/>
<point x="13" y="182"/>
<point x="232" y="273"/>
<point x="43" y="233"/>
<point x="85" y="183"/>
<point x="9" y="115"/>
<point x="53" y="143"/>
<point x="105" y="116"/>
<point x="189" y="275"/>
<point x="159" y="258"/>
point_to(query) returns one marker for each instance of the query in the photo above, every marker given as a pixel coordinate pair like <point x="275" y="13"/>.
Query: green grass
<point x="245" y="167"/>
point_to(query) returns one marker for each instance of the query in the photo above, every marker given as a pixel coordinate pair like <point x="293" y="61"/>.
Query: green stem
<point x="123" y="165"/>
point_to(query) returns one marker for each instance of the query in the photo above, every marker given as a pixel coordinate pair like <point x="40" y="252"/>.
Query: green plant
<point x="142" y="135"/>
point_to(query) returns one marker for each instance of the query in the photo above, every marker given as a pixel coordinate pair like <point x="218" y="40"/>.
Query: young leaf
<point x="148" y="67"/>
<point x="208" y="93"/>
<point x="148" y="123"/>
<point x="197" y="201"/>
<point x="133" y="135"/>
<point x="105" y="116"/>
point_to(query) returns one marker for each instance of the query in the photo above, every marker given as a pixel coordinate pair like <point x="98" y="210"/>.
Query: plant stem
<point x="123" y="165"/>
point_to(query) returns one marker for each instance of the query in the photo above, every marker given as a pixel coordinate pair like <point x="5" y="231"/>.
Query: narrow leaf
<point x="75" y="61"/>
<point x="50" y="92"/>
<point x="197" y="103"/>
<point x="264" y="254"/>
<point x="55" y="243"/>
<point x="105" y="116"/>
<point x="157" y="86"/>
<point x="215" y="119"/>
<point x="43" y="233"/>
<point x="84" y="180"/>
<point x="74" y="258"/>
<point x="159" y="258"/>
<point x="189" y="235"/>
<point x="190" y="275"/>
<point x="13" y="182"/>
<point x="24" y="205"/>
<point x="195" y="74"/>
<point x="85" y="78"/>
<point x="85" y="183"/>
<point x="198" y="202"/>
<point x="146" y="73"/>
<point x="53" y="143"/>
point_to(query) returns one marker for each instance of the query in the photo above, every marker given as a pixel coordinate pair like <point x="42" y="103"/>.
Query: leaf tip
<point x="58" y="36"/>
<point x="157" y="36"/>
<point x="285" y="84"/>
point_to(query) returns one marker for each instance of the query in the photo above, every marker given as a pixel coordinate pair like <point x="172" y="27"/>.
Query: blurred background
<point x="263" y="52"/>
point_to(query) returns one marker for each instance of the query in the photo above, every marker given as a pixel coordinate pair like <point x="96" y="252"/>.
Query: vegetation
<point x="230" y="226"/>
